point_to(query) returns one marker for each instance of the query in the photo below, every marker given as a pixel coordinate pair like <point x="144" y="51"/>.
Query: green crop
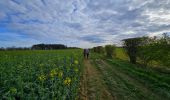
<point x="30" y="75"/>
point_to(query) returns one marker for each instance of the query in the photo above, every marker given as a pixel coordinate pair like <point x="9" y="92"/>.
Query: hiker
<point x="86" y="53"/>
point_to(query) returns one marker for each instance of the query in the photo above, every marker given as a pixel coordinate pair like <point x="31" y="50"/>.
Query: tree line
<point x="48" y="46"/>
<point x="142" y="49"/>
<point x="148" y="49"/>
<point x="40" y="47"/>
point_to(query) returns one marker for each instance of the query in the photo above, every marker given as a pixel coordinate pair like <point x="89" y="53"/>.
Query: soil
<point x="92" y="84"/>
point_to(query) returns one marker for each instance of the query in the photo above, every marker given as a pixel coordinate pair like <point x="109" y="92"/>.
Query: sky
<point x="80" y="23"/>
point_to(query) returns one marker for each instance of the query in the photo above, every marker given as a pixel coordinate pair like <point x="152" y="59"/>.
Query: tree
<point x="130" y="46"/>
<point x="110" y="50"/>
<point x="154" y="49"/>
<point x="99" y="49"/>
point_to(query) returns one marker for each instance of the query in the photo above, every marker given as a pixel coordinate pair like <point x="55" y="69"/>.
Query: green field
<point x="42" y="75"/>
<point x="66" y="75"/>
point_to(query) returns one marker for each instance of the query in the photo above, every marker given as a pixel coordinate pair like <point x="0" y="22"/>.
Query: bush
<point x="130" y="46"/>
<point x="149" y="49"/>
<point x="110" y="50"/>
<point x="154" y="49"/>
<point x="99" y="49"/>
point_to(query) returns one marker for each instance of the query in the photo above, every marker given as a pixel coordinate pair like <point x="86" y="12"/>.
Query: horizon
<point x="80" y="23"/>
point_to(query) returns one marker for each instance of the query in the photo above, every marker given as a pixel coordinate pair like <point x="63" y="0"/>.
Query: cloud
<point x="93" y="39"/>
<point x="83" y="23"/>
<point x="76" y="26"/>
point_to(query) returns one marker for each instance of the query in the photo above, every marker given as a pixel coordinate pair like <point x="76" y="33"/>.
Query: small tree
<point x="131" y="45"/>
<point x="110" y="50"/>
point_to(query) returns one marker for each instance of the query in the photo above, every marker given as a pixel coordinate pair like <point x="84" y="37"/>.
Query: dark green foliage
<point x="163" y="50"/>
<point x="48" y="46"/>
<point x="131" y="45"/>
<point x="110" y="50"/>
<point x="154" y="49"/>
<point x="149" y="49"/>
<point x="144" y="50"/>
<point x="99" y="49"/>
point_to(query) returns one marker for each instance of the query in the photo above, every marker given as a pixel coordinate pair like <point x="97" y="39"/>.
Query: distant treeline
<point x="40" y="47"/>
<point x="15" y="48"/>
<point x="48" y="46"/>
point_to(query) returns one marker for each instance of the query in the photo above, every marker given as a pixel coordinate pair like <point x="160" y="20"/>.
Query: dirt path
<point x="102" y="80"/>
<point x="92" y="84"/>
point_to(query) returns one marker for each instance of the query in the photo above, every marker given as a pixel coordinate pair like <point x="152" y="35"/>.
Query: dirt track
<point x="102" y="81"/>
<point x="92" y="84"/>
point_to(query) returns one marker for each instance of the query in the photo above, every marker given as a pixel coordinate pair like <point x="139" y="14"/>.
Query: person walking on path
<point x="86" y="53"/>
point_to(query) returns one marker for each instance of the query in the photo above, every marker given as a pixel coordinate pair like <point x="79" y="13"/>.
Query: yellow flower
<point x="42" y="77"/>
<point x="76" y="62"/>
<point x="53" y="73"/>
<point x="67" y="81"/>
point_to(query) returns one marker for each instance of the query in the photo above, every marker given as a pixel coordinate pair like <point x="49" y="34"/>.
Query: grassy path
<point x="118" y="80"/>
<point x="92" y="84"/>
<point x="123" y="86"/>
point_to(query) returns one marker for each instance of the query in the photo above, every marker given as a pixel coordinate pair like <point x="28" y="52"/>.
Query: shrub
<point x="130" y="46"/>
<point x="149" y="49"/>
<point x="154" y="49"/>
<point x="110" y="50"/>
<point x="99" y="49"/>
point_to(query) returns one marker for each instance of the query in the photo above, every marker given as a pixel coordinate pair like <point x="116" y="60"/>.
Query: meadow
<point x="42" y="75"/>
